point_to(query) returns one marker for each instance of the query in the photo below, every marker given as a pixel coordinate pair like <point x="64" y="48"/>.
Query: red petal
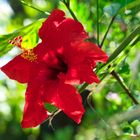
<point x="93" y="52"/>
<point x="62" y="30"/>
<point x="79" y="52"/>
<point x="71" y="30"/>
<point x="40" y="50"/>
<point x="79" y="74"/>
<point x="18" y="69"/>
<point x="81" y="58"/>
<point x="48" y="29"/>
<point x="41" y="72"/>
<point x="34" y="114"/>
<point x="66" y="98"/>
<point x="34" y="110"/>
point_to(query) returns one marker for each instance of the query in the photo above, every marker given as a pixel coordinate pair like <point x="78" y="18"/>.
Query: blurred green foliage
<point x="110" y="115"/>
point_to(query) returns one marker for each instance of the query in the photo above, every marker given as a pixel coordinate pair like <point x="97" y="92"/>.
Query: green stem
<point x="52" y="116"/>
<point x="31" y="6"/>
<point x="124" y="44"/>
<point x="124" y="86"/>
<point x="91" y="105"/>
<point x="82" y="88"/>
<point x="111" y="22"/>
<point x="97" y="22"/>
<point x="120" y="48"/>
<point x="73" y="15"/>
<point x="67" y="4"/>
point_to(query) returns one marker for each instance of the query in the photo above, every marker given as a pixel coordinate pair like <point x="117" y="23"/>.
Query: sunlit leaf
<point x="29" y="34"/>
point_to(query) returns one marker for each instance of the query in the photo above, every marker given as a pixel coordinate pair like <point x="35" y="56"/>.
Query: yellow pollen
<point x="29" y="55"/>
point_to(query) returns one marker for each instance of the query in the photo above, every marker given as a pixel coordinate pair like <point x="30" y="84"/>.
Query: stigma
<point x="16" y="41"/>
<point x="27" y="54"/>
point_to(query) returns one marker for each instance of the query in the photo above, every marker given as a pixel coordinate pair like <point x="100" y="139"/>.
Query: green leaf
<point x="31" y="6"/>
<point x="130" y="5"/>
<point x="120" y="48"/>
<point x="50" y="107"/>
<point x="29" y="34"/>
<point x="135" y="123"/>
<point x="126" y="127"/>
<point x="124" y="68"/>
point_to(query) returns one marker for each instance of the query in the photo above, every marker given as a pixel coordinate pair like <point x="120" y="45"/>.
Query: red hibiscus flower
<point x="60" y="61"/>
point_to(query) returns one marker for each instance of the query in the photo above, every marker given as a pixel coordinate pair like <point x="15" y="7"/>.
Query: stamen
<point x="27" y="53"/>
<point x="16" y="41"/>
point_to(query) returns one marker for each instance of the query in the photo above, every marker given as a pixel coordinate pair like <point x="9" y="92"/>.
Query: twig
<point x="67" y="4"/>
<point x="89" y="101"/>
<point x="124" y="86"/>
<point x="97" y="22"/>
<point x="110" y="24"/>
<point x="52" y="116"/>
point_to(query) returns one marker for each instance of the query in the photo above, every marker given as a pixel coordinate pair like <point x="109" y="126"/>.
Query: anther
<point x="27" y="54"/>
<point x="16" y="41"/>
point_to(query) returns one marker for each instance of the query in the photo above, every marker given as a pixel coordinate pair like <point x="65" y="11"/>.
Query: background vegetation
<point x="112" y="111"/>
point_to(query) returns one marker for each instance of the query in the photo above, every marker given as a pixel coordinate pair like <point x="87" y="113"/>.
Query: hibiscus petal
<point x="92" y="51"/>
<point x="34" y="114"/>
<point x="62" y="30"/>
<point x="79" y="74"/>
<point x="48" y="29"/>
<point x="78" y="52"/>
<point x="66" y="98"/>
<point x="71" y="30"/>
<point x="34" y="110"/>
<point x="81" y="58"/>
<point x="18" y="69"/>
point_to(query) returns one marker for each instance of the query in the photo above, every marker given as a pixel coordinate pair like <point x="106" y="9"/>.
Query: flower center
<point x="62" y="64"/>
<point x="59" y="67"/>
